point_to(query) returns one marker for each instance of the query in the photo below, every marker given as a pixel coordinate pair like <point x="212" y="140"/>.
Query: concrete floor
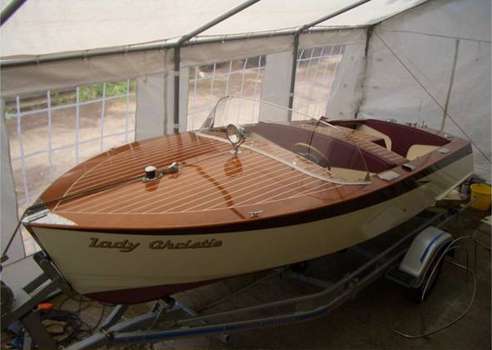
<point x="365" y="322"/>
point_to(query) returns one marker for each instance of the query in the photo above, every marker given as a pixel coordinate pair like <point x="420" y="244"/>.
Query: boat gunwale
<point x="381" y="191"/>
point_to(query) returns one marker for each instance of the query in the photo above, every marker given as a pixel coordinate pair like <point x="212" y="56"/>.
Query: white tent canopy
<point x="96" y="33"/>
<point x="56" y="26"/>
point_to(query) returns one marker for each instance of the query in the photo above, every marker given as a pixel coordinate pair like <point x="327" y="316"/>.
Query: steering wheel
<point x="311" y="153"/>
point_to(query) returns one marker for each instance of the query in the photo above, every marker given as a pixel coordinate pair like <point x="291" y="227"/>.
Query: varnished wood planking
<point x="214" y="188"/>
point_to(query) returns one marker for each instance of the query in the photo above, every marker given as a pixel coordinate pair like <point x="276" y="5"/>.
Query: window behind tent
<point x="51" y="131"/>
<point x="208" y="83"/>
<point x="316" y="68"/>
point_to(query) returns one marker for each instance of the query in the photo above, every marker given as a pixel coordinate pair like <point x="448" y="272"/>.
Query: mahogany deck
<point x="205" y="182"/>
<point x="210" y="180"/>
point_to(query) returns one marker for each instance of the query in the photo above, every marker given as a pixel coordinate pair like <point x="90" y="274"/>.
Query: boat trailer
<point x="169" y="319"/>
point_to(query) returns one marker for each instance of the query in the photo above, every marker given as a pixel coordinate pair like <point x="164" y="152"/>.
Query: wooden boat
<point x="284" y="193"/>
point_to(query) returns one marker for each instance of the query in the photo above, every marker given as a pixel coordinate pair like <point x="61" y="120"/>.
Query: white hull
<point x="91" y="270"/>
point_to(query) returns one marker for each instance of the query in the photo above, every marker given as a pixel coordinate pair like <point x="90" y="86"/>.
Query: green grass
<point x="68" y="96"/>
<point x="92" y="92"/>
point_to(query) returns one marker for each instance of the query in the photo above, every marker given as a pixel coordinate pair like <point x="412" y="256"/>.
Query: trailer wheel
<point x="417" y="294"/>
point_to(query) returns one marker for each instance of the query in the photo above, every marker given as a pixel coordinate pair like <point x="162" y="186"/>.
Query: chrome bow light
<point x="236" y="136"/>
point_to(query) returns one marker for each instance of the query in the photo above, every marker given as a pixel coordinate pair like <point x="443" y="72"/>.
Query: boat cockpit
<point x="346" y="152"/>
<point x="406" y="141"/>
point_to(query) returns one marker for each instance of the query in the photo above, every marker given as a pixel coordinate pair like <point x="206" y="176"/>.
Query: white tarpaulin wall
<point x="431" y="56"/>
<point x="56" y="44"/>
<point x="50" y="29"/>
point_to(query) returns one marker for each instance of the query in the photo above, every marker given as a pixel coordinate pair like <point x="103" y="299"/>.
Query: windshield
<point x="310" y="145"/>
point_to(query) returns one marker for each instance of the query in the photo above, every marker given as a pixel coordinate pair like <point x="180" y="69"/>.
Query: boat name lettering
<point x="208" y="243"/>
<point x="127" y="246"/>
<point x="124" y="246"/>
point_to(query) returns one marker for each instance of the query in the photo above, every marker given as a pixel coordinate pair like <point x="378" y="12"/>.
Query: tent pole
<point x="295" y="47"/>
<point x="451" y="83"/>
<point x="295" y="50"/>
<point x="216" y="21"/>
<point x="331" y="15"/>
<point x="185" y="38"/>
<point x="9" y="10"/>
<point x="176" y="71"/>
